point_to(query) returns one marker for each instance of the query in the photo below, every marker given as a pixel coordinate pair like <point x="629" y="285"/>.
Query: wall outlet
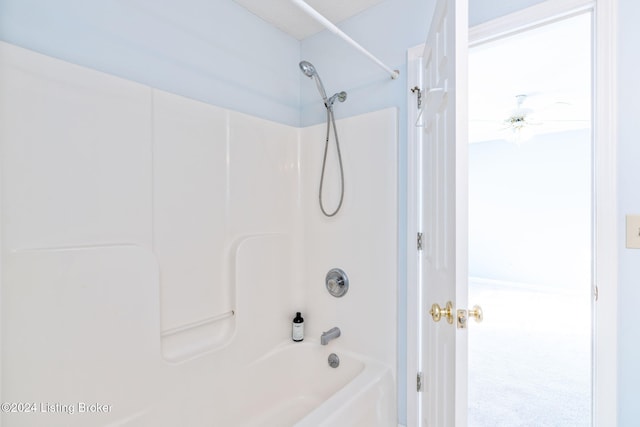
<point x="633" y="231"/>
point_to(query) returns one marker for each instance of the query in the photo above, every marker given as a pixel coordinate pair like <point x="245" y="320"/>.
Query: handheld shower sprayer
<point x="310" y="71"/>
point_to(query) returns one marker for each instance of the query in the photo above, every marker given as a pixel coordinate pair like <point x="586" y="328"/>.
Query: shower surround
<point x="155" y="249"/>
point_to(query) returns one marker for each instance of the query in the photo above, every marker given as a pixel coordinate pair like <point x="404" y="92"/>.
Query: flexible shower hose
<point x="331" y="122"/>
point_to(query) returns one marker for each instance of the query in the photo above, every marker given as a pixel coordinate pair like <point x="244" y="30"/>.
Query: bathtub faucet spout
<point x="331" y="334"/>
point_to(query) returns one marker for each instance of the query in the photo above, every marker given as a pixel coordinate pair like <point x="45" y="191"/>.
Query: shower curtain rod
<point x="331" y="27"/>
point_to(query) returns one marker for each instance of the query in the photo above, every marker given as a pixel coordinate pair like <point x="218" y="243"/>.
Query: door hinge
<point x="419" y="382"/>
<point x="419" y="241"/>
<point x="418" y="92"/>
<point x="595" y="293"/>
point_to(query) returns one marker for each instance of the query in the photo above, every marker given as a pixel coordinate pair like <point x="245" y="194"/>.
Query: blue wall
<point x="221" y="54"/>
<point x="386" y="30"/>
<point x="529" y="210"/>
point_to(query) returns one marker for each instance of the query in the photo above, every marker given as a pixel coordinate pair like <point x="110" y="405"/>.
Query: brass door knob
<point x="476" y="313"/>
<point x="437" y="312"/>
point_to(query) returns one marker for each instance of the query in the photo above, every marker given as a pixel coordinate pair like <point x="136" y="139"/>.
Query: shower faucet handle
<point x="337" y="282"/>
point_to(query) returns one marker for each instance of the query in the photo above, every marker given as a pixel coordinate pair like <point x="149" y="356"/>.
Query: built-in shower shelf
<point x="192" y="339"/>
<point x="197" y="324"/>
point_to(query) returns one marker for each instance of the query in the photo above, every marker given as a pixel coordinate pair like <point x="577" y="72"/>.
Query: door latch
<point x="475" y="313"/>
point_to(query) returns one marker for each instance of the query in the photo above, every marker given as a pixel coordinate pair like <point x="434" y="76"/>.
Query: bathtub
<point x="290" y="386"/>
<point x="294" y="385"/>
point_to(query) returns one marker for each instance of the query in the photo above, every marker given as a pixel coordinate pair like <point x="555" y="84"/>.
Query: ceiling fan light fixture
<point x="518" y="122"/>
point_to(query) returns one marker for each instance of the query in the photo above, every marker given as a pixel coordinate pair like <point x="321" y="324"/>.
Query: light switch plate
<point x="633" y="231"/>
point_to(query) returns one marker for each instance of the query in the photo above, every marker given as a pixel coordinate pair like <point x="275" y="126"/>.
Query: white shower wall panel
<point x="265" y="203"/>
<point x="263" y="175"/>
<point x="128" y="213"/>
<point x="220" y="177"/>
<point x="190" y="201"/>
<point x="76" y="154"/>
<point x="153" y="246"/>
<point x="80" y="325"/>
<point x="361" y="239"/>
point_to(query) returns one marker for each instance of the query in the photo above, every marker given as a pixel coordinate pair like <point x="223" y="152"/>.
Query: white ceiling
<point x="290" y="19"/>
<point x="551" y="65"/>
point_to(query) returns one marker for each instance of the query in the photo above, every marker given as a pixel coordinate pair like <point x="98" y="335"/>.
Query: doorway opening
<point x="531" y="226"/>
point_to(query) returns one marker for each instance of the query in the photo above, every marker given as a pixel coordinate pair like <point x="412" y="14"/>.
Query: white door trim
<point x="414" y="178"/>
<point x="526" y="19"/>
<point x="604" y="190"/>
<point x="605" y="214"/>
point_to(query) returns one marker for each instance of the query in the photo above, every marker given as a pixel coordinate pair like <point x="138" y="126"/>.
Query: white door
<point x="437" y="212"/>
<point x="443" y="206"/>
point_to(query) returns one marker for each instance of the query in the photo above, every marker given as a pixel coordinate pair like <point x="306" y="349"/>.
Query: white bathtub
<point x="294" y="386"/>
<point x="290" y="386"/>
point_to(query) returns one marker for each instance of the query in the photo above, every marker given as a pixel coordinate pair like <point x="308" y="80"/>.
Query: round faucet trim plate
<point x="337" y="282"/>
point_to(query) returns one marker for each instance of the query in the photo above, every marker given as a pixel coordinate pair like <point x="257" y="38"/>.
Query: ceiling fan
<point x="534" y="113"/>
<point x="520" y="120"/>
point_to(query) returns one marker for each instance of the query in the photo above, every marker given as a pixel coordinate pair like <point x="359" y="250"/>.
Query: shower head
<point x="310" y="71"/>
<point x="307" y="68"/>
<point x="340" y="96"/>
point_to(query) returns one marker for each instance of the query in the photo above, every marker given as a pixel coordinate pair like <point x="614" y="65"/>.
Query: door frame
<point x="604" y="192"/>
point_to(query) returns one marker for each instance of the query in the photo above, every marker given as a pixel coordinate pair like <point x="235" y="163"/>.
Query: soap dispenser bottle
<point x="297" y="328"/>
